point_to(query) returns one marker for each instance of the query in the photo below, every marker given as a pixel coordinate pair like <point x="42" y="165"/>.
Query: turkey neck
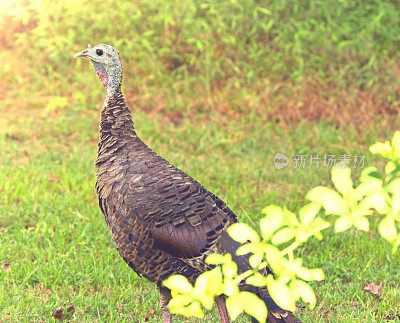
<point x="116" y="126"/>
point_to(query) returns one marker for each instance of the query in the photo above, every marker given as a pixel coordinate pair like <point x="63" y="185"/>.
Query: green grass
<point x="211" y="82"/>
<point x="58" y="247"/>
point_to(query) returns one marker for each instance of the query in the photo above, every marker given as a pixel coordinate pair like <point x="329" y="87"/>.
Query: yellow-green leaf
<point x="272" y="221"/>
<point x="343" y="223"/>
<point x="396" y="142"/>
<point x="304" y="273"/>
<point x="375" y="200"/>
<point x="206" y="300"/>
<point x="179" y="301"/>
<point x="390" y="167"/>
<point x="216" y="259"/>
<point x="317" y="274"/>
<point x="234" y="306"/>
<point x="283" y="235"/>
<point x="396" y="244"/>
<point x="255" y="259"/>
<point x="229" y="269"/>
<point x="332" y="202"/>
<point x="387" y="228"/>
<point x="289" y="218"/>
<point x="193" y="309"/>
<point x="214" y="286"/>
<point x="253" y="306"/>
<point x="396" y="203"/>
<point x="383" y="149"/>
<point x="230" y="287"/>
<point x="242" y="232"/>
<point x="361" y="223"/>
<point x="308" y="212"/>
<point x="209" y="283"/>
<point x="369" y="173"/>
<point x="247" y="248"/>
<point x="274" y="258"/>
<point x="394" y="186"/>
<point x="257" y="280"/>
<point x="281" y="294"/>
<point x="303" y="290"/>
<point x="341" y="178"/>
<point x="178" y="283"/>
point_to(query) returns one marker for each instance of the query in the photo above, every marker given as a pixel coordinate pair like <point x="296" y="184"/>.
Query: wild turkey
<point x="162" y="221"/>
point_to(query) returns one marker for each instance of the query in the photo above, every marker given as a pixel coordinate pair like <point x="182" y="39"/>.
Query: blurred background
<point x="217" y="88"/>
<point x="286" y="60"/>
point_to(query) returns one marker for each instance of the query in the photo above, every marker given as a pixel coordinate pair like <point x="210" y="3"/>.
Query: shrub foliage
<point x="282" y="232"/>
<point x="236" y="55"/>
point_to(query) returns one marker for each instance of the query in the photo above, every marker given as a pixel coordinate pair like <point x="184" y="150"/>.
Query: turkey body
<point x="162" y="221"/>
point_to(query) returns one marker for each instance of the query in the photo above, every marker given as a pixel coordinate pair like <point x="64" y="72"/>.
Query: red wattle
<point x="103" y="79"/>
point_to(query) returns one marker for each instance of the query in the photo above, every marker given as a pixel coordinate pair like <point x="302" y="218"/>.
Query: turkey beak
<point x="84" y="53"/>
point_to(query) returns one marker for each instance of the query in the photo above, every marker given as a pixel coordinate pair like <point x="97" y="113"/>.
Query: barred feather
<point x="162" y="221"/>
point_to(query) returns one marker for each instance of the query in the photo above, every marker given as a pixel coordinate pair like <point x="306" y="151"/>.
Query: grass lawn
<point x="215" y="87"/>
<point x="55" y="248"/>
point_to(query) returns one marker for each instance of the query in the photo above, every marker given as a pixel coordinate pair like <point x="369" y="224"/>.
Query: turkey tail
<point x="275" y="313"/>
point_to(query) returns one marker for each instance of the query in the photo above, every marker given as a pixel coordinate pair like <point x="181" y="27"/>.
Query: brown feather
<point x="162" y="221"/>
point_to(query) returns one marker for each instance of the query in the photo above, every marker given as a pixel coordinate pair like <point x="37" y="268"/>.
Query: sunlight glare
<point x="8" y="7"/>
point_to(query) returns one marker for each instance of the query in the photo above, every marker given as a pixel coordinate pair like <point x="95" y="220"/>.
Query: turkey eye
<point x="99" y="52"/>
